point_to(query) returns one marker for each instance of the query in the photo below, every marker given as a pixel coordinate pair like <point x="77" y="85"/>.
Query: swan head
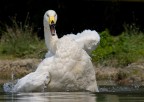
<point x="50" y="19"/>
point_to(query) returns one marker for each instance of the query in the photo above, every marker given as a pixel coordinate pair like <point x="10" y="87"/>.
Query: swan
<point x="67" y="66"/>
<point x="88" y="40"/>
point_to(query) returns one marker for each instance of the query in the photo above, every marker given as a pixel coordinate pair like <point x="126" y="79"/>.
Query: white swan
<point x="88" y="40"/>
<point x="68" y="67"/>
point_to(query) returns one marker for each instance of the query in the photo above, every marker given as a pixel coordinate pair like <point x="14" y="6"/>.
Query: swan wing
<point x="87" y="39"/>
<point x="32" y="82"/>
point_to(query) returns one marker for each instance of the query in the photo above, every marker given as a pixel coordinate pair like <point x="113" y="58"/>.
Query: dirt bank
<point x="129" y="75"/>
<point x="18" y="68"/>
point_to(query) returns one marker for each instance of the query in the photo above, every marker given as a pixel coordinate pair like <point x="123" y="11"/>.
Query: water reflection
<point x="107" y="98"/>
<point x="50" y="97"/>
<point x="72" y="97"/>
<point x="106" y="94"/>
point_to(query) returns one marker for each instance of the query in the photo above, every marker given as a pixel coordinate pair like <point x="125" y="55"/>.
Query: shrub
<point x="120" y="50"/>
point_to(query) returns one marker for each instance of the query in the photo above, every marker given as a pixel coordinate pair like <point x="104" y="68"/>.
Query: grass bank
<point x="19" y="41"/>
<point x="121" y="50"/>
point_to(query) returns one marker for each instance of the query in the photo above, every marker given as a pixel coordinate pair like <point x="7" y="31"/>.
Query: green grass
<point x="119" y="51"/>
<point x="19" y="41"/>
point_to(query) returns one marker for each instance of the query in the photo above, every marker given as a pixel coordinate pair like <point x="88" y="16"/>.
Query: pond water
<point x="106" y="94"/>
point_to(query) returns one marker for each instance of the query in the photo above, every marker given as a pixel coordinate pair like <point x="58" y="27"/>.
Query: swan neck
<point x="49" y="39"/>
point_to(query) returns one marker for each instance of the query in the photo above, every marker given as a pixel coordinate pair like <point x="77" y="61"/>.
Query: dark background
<point x="76" y="15"/>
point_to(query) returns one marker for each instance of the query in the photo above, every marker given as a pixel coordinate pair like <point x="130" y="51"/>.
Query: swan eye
<point x="47" y="15"/>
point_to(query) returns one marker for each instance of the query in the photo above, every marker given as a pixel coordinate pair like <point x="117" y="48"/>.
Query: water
<point x="106" y="94"/>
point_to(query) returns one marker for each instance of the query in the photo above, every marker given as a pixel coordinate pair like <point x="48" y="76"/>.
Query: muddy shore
<point x="129" y="75"/>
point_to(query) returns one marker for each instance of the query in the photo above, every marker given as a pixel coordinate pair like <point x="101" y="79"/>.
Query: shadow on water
<point x="106" y="94"/>
<point x="121" y="89"/>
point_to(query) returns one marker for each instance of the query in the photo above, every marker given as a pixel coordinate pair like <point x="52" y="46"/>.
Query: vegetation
<point x="19" y="41"/>
<point x="120" y="50"/>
